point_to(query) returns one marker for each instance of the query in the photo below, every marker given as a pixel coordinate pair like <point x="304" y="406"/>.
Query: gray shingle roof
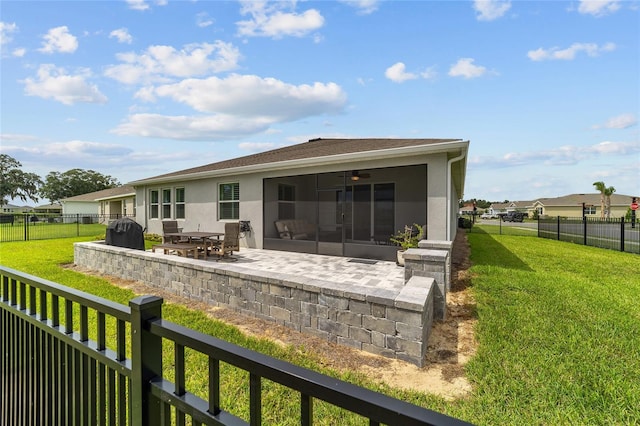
<point x="315" y="148"/>
<point x="105" y="193"/>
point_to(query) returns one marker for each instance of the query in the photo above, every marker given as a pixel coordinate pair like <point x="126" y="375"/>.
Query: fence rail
<point x="41" y="226"/>
<point x="55" y="369"/>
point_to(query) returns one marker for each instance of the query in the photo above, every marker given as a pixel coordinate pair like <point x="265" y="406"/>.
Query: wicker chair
<point x="230" y="243"/>
<point x="171" y="227"/>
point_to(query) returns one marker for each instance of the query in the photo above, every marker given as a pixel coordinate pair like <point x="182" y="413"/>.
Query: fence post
<point x="584" y="226"/>
<point x="25" y="221"/>
<point x="77" y="224"/>
<point x="622" y="234"/>
<point x="146" y="360"/>
<point x="558" y="228"/>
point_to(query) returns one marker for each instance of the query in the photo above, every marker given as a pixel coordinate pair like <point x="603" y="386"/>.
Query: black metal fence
<point x="41" y="226"/>
<point x="615" y="234"/>
<point x="70" y="358"/>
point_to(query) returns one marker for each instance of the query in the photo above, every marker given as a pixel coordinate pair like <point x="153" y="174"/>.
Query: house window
<point x="590" y="210"/>
<point x="180" y="210"/>
<point x="166" y="203"/>
<point x="286" y="201"/>
<point x="154" y="204"/>
<point x="229" y="201"/>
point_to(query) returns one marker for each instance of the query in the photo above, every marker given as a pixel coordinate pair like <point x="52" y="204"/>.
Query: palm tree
<point x="607" y="193"/>
<point x="600" y="186"/>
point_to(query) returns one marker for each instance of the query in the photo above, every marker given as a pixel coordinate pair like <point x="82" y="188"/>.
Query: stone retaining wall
<point x="393" y="324"/>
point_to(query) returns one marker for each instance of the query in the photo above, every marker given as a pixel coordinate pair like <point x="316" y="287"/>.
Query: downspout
<point x="449" y="167"/>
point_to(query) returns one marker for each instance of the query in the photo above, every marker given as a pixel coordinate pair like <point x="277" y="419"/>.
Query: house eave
<point x="457" y="146"/>
<point x="114" y="197"/>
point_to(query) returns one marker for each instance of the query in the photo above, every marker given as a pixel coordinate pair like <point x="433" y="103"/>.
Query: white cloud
<point x="489" y="10"/>
<point x="619" y="122"/>
<point x="564" y="155"/>
<point x="268" y="20"/>
<point x="466" y="69"/>
<point x="162" y="63"/>
<point x="429" y="74"/>
<point x="235" y="106"/>
<point x="253" y="96"/>
<point x="364" y="7"/>
<point x="568" y="54"/>
<point x="59" y="40"/>
<point x="19" y="52"/>
<point x="397" y="73"/>
<point x="122" y="34"/>
<point x="88" y="149"/>
<point x="54" y="83"/>
<point x="598" y="7"/>
<point x="203" y="128"/>
<point x="138" y="4"/>
<point x="6" y="31"/>
<point x="203" y="20"/>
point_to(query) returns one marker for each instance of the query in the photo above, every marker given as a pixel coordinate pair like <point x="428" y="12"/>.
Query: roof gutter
<point x="449" y="183"/>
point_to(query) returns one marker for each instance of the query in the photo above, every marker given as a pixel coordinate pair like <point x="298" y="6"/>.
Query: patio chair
<point x="171" y="227"/>
<point x="230" y="243"/>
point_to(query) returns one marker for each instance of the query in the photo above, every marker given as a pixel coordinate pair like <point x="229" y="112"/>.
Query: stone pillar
<point x="440" y="245"/>
<point x="433" y="264"/>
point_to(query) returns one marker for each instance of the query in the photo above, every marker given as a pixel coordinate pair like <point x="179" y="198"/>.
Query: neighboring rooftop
<point x="119" y="191"/>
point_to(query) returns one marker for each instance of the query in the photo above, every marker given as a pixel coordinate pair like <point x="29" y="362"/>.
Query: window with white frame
<point x="154" y="204"/>
<point x="180" y="206"/>
<point x="166" y="203"/>
<point x="589" y="209"/>
<point x="229" y="201"/>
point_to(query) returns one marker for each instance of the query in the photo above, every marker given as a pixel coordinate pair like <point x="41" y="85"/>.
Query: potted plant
<point x="409" y="238"/>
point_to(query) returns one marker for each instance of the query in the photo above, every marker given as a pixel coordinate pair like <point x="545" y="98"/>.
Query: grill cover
<point x="125" y="232"/>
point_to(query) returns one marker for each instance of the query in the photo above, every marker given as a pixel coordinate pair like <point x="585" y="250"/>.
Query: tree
<point x="15" y="183"/>
<point x="607" y="193"/>
<point x="600" y="186"/>
<point x="58" y="186"/>
<point x="605" y="198"/>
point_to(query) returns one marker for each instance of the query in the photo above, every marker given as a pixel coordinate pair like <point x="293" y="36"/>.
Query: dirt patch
<point x="450" y="345"/>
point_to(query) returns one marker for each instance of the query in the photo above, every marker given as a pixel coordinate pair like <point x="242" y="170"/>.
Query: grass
<point x="558" y="332"/>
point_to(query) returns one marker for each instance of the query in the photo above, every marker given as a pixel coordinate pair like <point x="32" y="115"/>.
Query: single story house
<point x="107" y="203"/>
<point x="52" y="209"/>
<point x="342" y="197"/>
<point x="13" y="209"/>
<point x="511" y="206"/>
<point x="571" y="205"/>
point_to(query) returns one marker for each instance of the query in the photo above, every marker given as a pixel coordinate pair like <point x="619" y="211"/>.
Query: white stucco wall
<point x="80" y="207"/>
<point x="201" y="196"/>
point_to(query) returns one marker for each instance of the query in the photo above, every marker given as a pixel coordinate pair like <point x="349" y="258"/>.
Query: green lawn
<point x="558" y="331"/>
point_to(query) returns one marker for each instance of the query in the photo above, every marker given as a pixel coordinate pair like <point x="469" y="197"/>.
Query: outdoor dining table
<point x="206" y="237"/>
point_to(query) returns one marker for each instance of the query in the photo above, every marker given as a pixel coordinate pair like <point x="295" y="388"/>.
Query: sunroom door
<point x="331" y="200"/>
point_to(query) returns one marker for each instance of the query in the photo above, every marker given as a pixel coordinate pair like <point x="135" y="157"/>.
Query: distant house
<point x="566" y="206"/>
<point x="571" y="205"/>
<point x="53" y="208"/>
<point x="466" y="209"/>
<point x="12" y="209"/>
<point x="342" y="197"/>
<point x="105" y="204"/>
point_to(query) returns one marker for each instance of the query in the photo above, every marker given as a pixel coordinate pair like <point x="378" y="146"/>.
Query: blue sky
<point x="548" y="92"/>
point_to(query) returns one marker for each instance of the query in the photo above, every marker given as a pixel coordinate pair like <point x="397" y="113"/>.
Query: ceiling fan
<point x="356" y="175"/>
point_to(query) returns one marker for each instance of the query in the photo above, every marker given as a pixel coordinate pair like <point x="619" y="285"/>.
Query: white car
<point x="489" y="216"/>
